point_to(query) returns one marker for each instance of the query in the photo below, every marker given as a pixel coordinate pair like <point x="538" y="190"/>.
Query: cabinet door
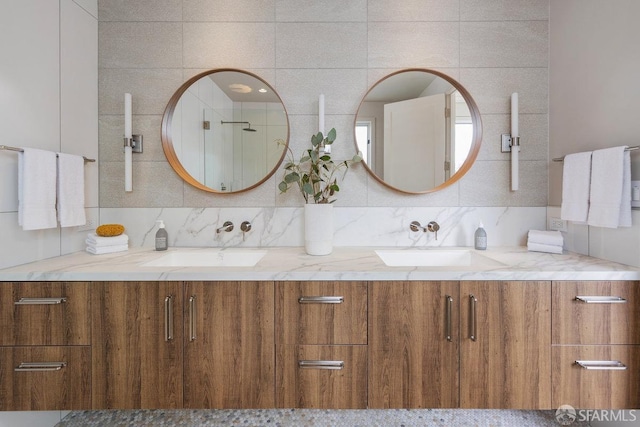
<point x="229" y="345"/>
<point x="44" y="313"/>
<point x="413" y="344"/>
<point x="321" y="312"/>
<point x="596" y="312"/>
<point x="137" y="345"/>
<point x="505" y="347"/>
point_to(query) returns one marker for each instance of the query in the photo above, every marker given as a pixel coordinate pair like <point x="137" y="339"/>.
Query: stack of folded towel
<point x="105" y="245"/>
<point x="545" y="241"/>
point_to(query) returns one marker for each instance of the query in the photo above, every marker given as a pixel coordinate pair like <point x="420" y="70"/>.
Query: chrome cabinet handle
<point x="192" y="318"/>
<point x="601" y="365"/>
<point x="600" y="299"/>
<point x="321" y="300"/>
<point x="321" y="364"/>
<point x="40" y="366"/>
<point x="40" y="301"/>
<point x="168" y="318"/>
<point x="449" y="300"/>
<point x="472" y="324"/>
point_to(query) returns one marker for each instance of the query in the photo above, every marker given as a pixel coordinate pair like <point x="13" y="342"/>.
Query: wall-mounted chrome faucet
<point x="245" y="227"/>
<point x="432" y="226"/>
<point x="227" y="226"/>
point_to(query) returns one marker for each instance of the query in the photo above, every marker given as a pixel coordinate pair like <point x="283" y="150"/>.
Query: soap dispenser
<point x="162" y="237"/>
<point x="481" y="238"/>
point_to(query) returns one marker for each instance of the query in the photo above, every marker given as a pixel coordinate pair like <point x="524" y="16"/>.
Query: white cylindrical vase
<point x="318" y="228"/>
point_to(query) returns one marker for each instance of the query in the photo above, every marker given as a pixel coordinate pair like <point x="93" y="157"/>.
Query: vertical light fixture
<point x="326" y="148"/>
<point x="132" y="143"/>
<point x="515" y="142"/>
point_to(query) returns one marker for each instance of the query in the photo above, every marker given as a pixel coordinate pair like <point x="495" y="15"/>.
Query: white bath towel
<point x="106" y="249"/>
<point x="545" y="237"/>
<point x="100" y="241"/>
<point x="540" y="247"/>
<point x="610" y="171"/>
<point x="36" y="189"/>
<point x="576" y="180"/>
<point x="71" y="190"/>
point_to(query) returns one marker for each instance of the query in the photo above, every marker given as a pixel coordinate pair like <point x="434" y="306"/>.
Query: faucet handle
<point x="415" y="226"/>
<point x="227" y="226"/>
<point x="433" y="227"/>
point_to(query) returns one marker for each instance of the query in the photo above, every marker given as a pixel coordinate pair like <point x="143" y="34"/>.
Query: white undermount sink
<point x="432" y="258"/>
<point x="207" y="258"/>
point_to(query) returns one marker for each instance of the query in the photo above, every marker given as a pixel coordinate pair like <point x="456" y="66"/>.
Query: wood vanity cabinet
<point x="45" y="353"/>
<point x="174" y="344"/>
<point x="596" y="351"/>
<point x="229" y="345"/>
<point x="137" y="345"/>
<point x="413" y="344"/>
<point x="486" y="342"/>
<point x="505" y="336"/>
<point x="321" y="345"/>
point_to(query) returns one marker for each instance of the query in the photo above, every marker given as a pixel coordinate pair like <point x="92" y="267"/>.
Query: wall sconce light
<point x="325" y="148"/>
<point x="132" y="144"/>
<point x="511" y="142"/>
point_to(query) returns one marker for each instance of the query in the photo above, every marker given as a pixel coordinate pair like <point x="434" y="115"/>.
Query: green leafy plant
<point x="315" y="174"/>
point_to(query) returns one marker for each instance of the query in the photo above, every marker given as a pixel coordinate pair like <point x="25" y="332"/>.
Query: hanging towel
<point x="576" y="180"/>
<point x="36" y="189"/>
<point x="71" y="190"/>
<point x="107" y="249"/>
<point x="545" y="237"/>
<point x="99" y="241"/>
<point x="608" y="176"/>
<point x="540" y="247"/>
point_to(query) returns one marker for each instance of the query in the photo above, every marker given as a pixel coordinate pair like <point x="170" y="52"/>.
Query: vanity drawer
<point x="45" y="378"/>
<point x="326" y="377"/>
<point x="321" y="312"/>
<point x="604" y="385"/>
<point x="596" y="312"/>
<point x="44" y="313"/>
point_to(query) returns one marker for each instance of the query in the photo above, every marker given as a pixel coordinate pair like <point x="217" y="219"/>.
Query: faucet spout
<point x="227" y="226"/>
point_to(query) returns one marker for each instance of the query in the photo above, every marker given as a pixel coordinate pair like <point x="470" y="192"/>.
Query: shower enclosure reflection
<point x="219" y="131"/>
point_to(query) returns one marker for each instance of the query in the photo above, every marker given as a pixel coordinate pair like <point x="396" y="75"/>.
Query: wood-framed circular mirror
<point x="418" y="130"/>
<point x="220" y="131"/>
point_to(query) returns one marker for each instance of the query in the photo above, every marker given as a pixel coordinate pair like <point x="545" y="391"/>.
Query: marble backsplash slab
<point x="354" y="226"/>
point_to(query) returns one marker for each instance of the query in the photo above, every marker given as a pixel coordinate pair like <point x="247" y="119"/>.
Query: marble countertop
<point x="345" y="263"/>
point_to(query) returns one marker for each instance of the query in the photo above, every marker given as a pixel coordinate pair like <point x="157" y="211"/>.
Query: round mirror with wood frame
<point x="221" y="128"/>
<point x="418" y="130"/>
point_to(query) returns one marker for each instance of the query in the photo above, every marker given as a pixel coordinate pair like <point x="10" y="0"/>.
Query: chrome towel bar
<point x="6" y="147"/>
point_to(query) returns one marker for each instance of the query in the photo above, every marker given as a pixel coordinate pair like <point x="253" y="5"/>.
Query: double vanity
<point x="360" y="328"/>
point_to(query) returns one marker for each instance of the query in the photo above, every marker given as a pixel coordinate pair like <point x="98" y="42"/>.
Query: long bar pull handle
<point x="321" y="364"/>
<point x="449" y="309"/>
<point x="40" y="301"/>
<point x="321" y="300"/>
<point x="168" y="318"/>
<point x="601" y="365"/>
<point x="40" y="366"/>
<point x="473" y="301"/>
<point x="600" y="299"/>
<point x="192" y="318"/>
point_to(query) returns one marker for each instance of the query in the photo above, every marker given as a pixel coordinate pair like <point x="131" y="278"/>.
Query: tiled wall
<point x="336" y="47"/>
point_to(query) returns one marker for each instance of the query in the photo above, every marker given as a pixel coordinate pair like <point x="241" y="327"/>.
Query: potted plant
<point x="316" y="176"/>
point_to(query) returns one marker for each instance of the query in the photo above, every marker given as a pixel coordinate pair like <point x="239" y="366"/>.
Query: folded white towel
<point x="106" y="249"/>
<point x="99" y="241"/>
<point x="540" y="247"/>
<point x="36" y="189"/>
<point x="576" y="180"/>
<point x="608" y="173"/>
<point x="71" y="190"/>
<point x="545" y="237"/>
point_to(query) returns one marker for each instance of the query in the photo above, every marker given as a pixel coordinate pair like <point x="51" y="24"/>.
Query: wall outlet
<point x="557" y="224"/>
